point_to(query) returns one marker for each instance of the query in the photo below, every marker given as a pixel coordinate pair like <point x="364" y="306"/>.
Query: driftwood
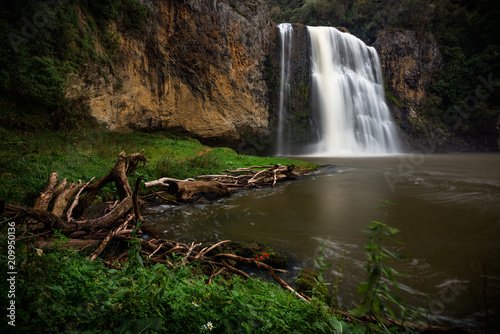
<point x="124" y="166"/>
<point x="214" y="186"/>
<point x="123" y="222"/>
<point x="67" y="207"/>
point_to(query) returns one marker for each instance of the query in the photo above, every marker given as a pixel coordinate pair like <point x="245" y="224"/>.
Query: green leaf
<point x="374" y="276"/>
<point x="339" y="326"/>
<point x="376" y="307"/>
<point x="363" y="288"/>
<point x="57" y="288"/>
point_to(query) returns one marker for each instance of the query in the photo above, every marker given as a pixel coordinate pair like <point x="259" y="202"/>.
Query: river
<point x="448" y="212"/>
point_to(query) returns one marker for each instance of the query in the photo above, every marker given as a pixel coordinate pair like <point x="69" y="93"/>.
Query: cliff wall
<point x="409" y="62"/>
<point x="197" y="69"/>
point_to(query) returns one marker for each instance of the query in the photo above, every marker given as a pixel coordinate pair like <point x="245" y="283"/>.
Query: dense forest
<point x="466" y="33"/>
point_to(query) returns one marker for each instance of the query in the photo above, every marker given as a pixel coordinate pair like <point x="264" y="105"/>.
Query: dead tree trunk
<point x="65" y="201"/>
<point x="124" y="166"/>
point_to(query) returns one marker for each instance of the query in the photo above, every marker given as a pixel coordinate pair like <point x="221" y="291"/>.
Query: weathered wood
<point x="165" y="182"/>
<point x="69" y="213"/>
<point x="118" y="174"/>
<point x="288" y="287"/>
<point x="135" y="200"/>
<point x="259" y="264"/>
<point x="43" y="201"/>
<point x="195" y="190"/>
<point x="207" y="250"/>
<point x="110" y="236"/>
<point x="232" y="269"/>
<point x="105" y="221"/>
<point x="61" y="202"/>
<point x="40" y="218"/>
<point x="59" y="188"/>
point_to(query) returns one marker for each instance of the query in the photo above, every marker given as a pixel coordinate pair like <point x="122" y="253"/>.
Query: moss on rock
<point x="308" y="284"/>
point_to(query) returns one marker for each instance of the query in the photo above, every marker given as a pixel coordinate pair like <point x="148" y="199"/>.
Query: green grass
<point x="64" y="292"/>
<point x="27" y="159"/>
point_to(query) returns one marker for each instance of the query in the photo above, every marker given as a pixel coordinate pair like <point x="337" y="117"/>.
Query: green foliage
<point x="104" y="10"/>
<point x="131" y="12"/>
<point x="134" y="15"/>
<point x="62" y="292"/>
<point x="39" y="80"/>
<point x="377" y="292"/>
<point x="321" y="287"/>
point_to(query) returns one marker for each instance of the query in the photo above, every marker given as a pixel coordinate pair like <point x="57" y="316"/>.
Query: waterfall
<point x="348" y="104"/>
<point x="348" y="85"/>
<point x="286" y="49"/>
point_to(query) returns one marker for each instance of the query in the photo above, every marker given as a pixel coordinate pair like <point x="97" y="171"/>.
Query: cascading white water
<point x="286" y="30"/>
<point x="347" y="83"/>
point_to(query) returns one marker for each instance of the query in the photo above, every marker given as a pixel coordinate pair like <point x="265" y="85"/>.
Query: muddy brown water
<point x="448" y="211"/>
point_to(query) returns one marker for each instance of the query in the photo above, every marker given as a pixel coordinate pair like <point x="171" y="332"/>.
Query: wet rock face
<point x="408" y="63"/>
<point x="300" y="120"/>
<point x="197" y="69"/>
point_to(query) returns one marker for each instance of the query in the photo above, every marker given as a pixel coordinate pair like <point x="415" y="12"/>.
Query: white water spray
<point x="347" y="83"/>
<point x="286" y="49"/>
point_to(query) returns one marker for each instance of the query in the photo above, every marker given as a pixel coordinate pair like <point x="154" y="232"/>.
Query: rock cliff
<point x="197" y="69"/>
<point x="408" y="62"/>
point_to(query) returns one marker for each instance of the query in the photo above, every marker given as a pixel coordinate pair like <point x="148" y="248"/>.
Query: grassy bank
<point x="62" y="292"/>
<point x="27" y="159"/>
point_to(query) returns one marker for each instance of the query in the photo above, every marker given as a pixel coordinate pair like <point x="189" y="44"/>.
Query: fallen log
<point x="60" y="196"/>
<point x="196" y="190"/>
<point x="111" y="234"/>
<point x="190" y="190"/>
<point x="215" y="186"/>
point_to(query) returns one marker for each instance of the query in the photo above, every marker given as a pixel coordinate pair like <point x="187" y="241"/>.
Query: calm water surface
<point x="448" y="211"/>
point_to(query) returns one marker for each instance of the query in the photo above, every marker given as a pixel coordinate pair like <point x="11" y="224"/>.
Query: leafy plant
<point x="321" y="285"/>
<point x="377" y="292"/>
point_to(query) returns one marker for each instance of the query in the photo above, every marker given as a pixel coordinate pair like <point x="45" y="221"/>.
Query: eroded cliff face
<point x="408" y="63"/>
<point x="197" y="69"/>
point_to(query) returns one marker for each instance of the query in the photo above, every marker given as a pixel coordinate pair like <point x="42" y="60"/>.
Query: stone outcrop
<point x="197" y="70"/>
<point x="408" y="62"/>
